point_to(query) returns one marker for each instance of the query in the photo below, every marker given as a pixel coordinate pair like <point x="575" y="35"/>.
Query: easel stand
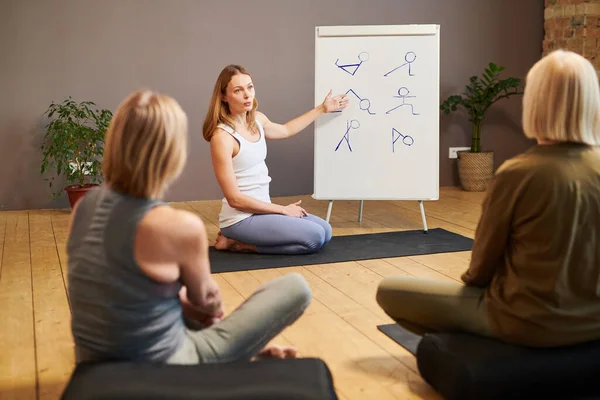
<point x="360" y="213"/>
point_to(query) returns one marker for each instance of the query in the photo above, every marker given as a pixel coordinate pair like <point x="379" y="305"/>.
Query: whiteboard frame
<point x="380" y="30"/>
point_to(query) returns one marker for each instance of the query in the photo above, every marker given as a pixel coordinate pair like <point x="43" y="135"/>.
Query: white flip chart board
<point x="385" y="143"/>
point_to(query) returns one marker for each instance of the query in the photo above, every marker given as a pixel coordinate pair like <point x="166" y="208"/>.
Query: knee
<point x="298" y="290"/>
<point x="315" y="240"/>
<point x="387" y="294"/>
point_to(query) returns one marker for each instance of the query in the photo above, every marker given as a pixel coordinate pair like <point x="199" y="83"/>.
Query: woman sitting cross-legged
<point x="237" y="133"/>
<point x="138" y="270"/>
<point x="534" y="276"/>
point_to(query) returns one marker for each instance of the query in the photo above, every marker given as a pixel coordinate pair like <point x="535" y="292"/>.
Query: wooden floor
<point x="36" y="348"/>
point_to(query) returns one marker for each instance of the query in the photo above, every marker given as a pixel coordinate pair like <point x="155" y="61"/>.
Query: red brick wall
<point x="573" y="25"/>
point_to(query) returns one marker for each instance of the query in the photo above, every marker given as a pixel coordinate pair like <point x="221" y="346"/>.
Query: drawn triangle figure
<point x="349" y="68"/>
<point x="352" y="68"/>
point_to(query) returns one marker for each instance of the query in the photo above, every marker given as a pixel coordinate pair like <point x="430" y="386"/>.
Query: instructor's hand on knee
<point x="294" y="210"/>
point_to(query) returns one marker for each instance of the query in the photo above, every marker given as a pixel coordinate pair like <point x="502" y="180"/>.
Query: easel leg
<point x="360" y="209"/>
<point x="423" y="216"/>
<point x="329" y="210"/>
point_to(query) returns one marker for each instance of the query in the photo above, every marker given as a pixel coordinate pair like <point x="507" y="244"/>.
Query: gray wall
<point x="101" y="50"/>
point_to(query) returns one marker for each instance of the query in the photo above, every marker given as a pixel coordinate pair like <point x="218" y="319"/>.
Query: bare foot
<point x="277" y="351"/>
<point x="223" y="243"/>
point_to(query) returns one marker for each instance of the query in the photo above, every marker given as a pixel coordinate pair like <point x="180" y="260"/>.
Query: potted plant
<point x="476" y="167"/>
<point x="73" y="146"/>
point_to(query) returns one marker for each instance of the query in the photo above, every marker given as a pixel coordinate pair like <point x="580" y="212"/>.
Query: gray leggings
<point x="246" y="331"/>
<point x="280" y="234"/>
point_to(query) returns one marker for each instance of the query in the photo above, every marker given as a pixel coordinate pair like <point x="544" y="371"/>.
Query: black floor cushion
<point x="462" y="366"/>
<point x="298" y="379"/>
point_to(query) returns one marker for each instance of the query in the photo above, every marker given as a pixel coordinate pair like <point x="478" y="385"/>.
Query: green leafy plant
<point x="74" y="142"/>
<point x="480" y="93"/>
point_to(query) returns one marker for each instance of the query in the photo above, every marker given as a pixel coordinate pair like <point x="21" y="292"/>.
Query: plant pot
<point x="475" y="170"/>
<point x="76" y="192"/>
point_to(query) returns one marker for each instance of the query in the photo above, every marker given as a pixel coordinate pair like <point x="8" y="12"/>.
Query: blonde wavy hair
<point x="218" y="110"/>
<point x="146" y="145"/>
<point x="562" y="99"/>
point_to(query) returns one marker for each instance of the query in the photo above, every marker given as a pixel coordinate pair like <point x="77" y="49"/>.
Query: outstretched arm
<point x="278" y="131"/>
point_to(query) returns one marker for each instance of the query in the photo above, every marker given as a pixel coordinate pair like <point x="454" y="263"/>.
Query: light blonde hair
<point x="146" y="145"/>
<point x="562" y="99"/>
<point x="218" y="110"/>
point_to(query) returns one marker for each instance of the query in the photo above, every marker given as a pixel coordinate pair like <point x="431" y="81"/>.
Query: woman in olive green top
<point x="534" y="276"/>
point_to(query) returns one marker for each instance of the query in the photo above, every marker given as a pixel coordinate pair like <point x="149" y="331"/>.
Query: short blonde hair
<point x="146" y="145"/>
<point x="562" y="99"/>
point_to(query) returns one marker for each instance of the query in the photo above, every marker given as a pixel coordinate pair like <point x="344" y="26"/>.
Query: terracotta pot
<point x="475" y="170"/>
<point x="76" y="192"/>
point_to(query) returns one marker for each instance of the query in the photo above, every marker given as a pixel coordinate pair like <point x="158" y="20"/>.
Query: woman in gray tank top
<point x="140" y="286"/>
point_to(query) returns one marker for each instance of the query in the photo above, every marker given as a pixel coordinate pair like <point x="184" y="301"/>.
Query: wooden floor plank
<point x="60" y="226"/>
<point x="451" y="265"/>
<point x="209" y="209"/>
<point x="2" y="237"/>
<point x="475" y="198"/>
<point x="18" y="378"/>
<point x="456" y="212"/>
<point x="55" y="351"/>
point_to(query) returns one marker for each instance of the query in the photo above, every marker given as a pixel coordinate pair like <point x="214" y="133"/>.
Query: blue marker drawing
<point x="406" y="139"/>
<point x="365" y="104"/>
<point x="409" y="57"/>
<point x="352" y="124"/>
<point x="352" y="68"/>
<point x="403" y="94"/>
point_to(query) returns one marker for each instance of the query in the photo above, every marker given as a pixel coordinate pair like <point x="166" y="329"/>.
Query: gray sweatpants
<point x="246" y="331"/>
<point x="280" y="234"/>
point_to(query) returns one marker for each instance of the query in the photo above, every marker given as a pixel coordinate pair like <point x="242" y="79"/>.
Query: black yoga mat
<point x="408" y="340"/>
<point x="348" y="248"/>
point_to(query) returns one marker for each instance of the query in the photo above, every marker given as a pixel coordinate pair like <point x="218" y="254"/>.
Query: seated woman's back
<point x="118" y="311"/>
<point x="544" y="211"/>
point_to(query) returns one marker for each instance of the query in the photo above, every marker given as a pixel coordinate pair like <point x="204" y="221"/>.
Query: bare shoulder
<point x="221" y="138"/>
<point x="165" y="236"/>
<point x="262" y="118"/>
<point x="169" y="229"/>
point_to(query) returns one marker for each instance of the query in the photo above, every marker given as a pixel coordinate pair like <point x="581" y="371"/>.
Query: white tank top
<point x="251" y="173"/>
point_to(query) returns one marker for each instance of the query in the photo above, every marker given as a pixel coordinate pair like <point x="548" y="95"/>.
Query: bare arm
<point x="279" y="131"/>
<point x="171" y="245"/>
<point x="222" y="146"/>
<point x="202" y="291"/>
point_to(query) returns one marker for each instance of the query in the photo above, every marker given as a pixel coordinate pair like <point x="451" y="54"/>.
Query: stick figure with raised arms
<point x="403" y="94"/>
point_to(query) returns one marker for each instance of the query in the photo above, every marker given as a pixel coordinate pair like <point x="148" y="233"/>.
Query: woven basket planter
<point x="475" y="170"/>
